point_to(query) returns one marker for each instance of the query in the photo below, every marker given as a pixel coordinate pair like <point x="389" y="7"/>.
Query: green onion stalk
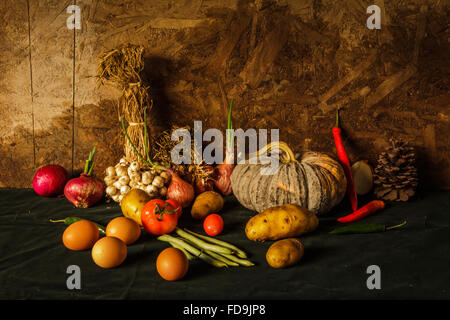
<point x="224" y="170"/>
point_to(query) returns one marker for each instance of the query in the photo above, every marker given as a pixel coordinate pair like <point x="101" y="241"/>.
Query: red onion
<point x="84" y="191"/>
<point x="223" y="179"/>
<point x="50" y="180"/>
<point x="181" y="191"/>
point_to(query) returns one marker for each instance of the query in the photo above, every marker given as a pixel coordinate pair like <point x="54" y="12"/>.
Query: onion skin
<point x="84" y="191"/>
<point x="180" y="191"/>
<point x="49" y="180"/>
<point x="223" y="180"/>
<point x="202" y="186"/>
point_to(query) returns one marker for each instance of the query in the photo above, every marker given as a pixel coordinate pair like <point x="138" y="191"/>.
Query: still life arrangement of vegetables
<point x="155" y="193"/>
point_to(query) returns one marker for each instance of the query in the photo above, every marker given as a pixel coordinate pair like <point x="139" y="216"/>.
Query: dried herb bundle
<point x="162" y="147"/>
<point x="123" y="67"/>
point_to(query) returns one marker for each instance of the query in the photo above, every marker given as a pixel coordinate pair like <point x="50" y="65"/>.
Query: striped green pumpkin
<point x="315" y="181"/>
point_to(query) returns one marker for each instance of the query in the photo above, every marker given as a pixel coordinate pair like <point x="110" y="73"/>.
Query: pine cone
<point x="395" y="175"/>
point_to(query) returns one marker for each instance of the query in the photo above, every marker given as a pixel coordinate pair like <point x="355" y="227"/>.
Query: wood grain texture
<point x="52" y="68"/>
<point x="16" y="115"/>
<point x="288" y="64"/>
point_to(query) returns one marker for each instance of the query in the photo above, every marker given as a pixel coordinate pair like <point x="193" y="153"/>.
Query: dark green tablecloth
<point x="414" y="261"/>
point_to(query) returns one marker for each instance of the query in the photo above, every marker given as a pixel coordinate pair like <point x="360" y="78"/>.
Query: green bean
<point x="243" y="262"/>
<point x="222" y="258"/>
<point x="239" y="252"/>
<point x="193" y="250"/>
<point x="202" y="244"/>
<point x="188" y="255"/>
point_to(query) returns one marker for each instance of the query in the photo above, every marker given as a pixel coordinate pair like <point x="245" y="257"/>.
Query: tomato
<point x="159" y="217"/>
<point x="213" y="224"/>
<point x="175" y="204"/>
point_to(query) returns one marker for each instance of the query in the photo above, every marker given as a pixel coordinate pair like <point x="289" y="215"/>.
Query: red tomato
<point x="159" y="217"/>
<point x="175" y="204"/>
<point x="213" y="224"/>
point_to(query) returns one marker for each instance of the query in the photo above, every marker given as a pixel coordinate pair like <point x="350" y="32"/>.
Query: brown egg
<point x="124" y="228"/>
<point x="109" y="252"/>
<point x="80" y="235"/>
<point x="172" y="264"/>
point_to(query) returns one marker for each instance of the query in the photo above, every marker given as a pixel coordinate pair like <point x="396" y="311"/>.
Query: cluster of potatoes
<point x="126" y="176"/>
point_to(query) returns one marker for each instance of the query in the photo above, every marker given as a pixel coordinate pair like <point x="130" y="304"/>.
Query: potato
<point x="280" y="222"/>
<point x="285" y="253"/>
<point x="206" y="202"/>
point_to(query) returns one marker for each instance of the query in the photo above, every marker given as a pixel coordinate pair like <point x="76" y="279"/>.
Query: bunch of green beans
<point x="216" y="252"/>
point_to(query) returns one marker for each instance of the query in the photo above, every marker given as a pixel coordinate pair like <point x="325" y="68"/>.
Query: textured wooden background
<point x="288" y="64"/>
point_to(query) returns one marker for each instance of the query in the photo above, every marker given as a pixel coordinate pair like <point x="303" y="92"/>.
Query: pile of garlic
<point x="126" y="176"/>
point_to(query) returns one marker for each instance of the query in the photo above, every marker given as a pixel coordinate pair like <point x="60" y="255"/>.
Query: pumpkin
<point x="315" y="181"/>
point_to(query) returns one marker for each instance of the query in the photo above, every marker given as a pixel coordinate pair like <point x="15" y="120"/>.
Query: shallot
<point x="180" y="191"/>
<point x="224" y="170"/>
<point x="85" y="191"/>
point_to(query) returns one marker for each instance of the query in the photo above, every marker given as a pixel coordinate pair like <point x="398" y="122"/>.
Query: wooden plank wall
<point x="288" y="64"/>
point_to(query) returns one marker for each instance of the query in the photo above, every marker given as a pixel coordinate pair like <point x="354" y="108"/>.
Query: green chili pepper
<point x="69" y="220"/>
<point x="365" y="228"/>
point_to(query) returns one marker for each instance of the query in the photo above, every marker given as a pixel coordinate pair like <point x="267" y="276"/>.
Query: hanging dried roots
<point x="123" y="67"/>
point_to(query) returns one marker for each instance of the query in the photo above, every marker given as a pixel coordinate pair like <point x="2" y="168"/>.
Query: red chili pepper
<point x="364" y="211"/>
<point x="345" y="162"/>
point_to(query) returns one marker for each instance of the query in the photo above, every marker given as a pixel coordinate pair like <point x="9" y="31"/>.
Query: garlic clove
<point x="151" y="190"/>
<point x="121" y="171"/>
<point x="117" y="185"/>
<point x="124" y="189"/>
<point x="135" y="166"/>
<point x="110" y="171"/>
<point x="124" y="180"/>
<point x="166" y="176"/>
<point x="116" y="198"/>
<point x="135" y="176"/>
<point x="109" y="180"/>
<point x="163" y="191"/>
<point x="158" y="182"/>
<point x="134" y="184"/>
<point x="147" y="177"/>
<point x="111" y="190"/>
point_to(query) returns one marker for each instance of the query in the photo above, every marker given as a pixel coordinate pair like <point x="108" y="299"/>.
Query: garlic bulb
<point x="110" y="171"/>
<point x="135" y="166"/>
<point x="123" y="162"/>
<point x="124" y="180"/>
<point x="109" y="180"/>
<point x="135" y="176"/>
<point x="158" y="182"/>
<point x="111" y="190"/>
<point x="166" y="176"/>
<point x="116" y="197"/>
<point x="121" y="171"/>
<point x="134" y="184"/>
<point x="151" y="190"/>
<point x="117" y="185"/>
<point x="124" y="189"/>
<point x="147" y="177"/>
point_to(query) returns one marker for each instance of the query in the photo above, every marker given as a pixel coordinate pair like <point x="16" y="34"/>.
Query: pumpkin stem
<point x="283" y="146"/>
